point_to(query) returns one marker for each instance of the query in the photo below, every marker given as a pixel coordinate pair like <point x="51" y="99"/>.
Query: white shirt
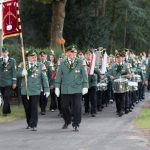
<point x="32" y="64"/>
<point x="70" y="61"/>
<point x="5" y="59"/>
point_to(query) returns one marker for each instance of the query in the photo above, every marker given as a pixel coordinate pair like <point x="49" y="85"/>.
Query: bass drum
<point x="120" y="85"/>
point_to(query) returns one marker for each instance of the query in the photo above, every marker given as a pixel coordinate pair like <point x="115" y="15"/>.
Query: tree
<point x="58" y="16"/>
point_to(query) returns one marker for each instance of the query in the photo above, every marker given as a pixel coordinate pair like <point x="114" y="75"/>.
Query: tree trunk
<point x="104" y="8"/>
<point x="58" y="9"/>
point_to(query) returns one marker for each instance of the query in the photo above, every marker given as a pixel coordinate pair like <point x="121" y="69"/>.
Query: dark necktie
<point x="32" y="66"/>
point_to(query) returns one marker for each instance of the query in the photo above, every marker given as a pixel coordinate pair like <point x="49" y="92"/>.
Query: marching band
<point x="93" y="77"/>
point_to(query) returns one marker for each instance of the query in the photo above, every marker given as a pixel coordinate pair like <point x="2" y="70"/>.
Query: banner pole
<point x="1" y="31"/>
<point x="23" y="58"/>
<point x="1" y="42"/>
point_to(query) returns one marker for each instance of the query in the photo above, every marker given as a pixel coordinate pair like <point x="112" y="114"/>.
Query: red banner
<point x="10" y="19"/>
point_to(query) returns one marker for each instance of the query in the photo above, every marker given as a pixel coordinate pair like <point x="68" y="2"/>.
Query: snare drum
<point x="136" y="78"/>
<point x="120" y="85"/>
<point x="102" y="86"/>
<point x="133" y="86"/>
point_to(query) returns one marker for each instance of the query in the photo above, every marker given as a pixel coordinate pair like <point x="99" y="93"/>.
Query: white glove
<point x="47" y="94"/>
<point x="1" y="100"/>
<point x="57" y="92"/>
<point x="24" y="72"/>
<point x="84" y="91"/>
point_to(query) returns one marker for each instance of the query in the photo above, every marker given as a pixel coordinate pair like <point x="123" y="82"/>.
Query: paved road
<point x="104" y="132"/>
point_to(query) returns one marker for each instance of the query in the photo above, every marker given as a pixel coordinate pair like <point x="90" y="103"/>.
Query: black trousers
<point x="101" y="99"/>
<point x="71" y="108"/>
<point x="120" y="101"/>
<point x="127" y="101"/>
<point x="91" y="98"/>
<point x="43" y="102"/>
<point x="59" y="104"/>
<point x="53" y="104"/>
<point x="6" y="93"/>
<point x="31" y="109"/>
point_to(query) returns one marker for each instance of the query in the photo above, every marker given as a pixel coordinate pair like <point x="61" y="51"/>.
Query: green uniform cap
<point x="72" y="47"/>
<point x="42" y="53"/>
<point x="88" y="51"/>
<point x="31" y="53"/>
<point x="120" y="53"/>
<point x="4" y="49"/>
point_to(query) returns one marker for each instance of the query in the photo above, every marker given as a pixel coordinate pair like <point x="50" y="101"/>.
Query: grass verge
<point x="143" y="120"/>
<point x="16" y="113"/>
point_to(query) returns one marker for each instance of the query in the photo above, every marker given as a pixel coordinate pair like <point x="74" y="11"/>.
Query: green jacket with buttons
<point x="116" y="71"/>
<point x="71" y="78"/>
<point x="8" y="72"/>
<point x="36" y="81"/>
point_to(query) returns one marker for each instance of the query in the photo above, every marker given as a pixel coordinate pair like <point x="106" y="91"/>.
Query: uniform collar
<point x="32" y="64"/>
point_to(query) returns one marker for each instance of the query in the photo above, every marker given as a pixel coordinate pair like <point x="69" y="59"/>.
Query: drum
<point x="102" y="86"/>
<point x="133" y="86"/>
<point x="120" y="85"/>
<point x="136" y="78"/>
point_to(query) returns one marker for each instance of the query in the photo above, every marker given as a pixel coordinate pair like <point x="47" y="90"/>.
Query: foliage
<point x="86" y="28"/>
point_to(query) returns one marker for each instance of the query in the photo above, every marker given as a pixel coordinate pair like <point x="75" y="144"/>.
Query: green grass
<point x="143" y="120"/>
<point x="16" y="113"/>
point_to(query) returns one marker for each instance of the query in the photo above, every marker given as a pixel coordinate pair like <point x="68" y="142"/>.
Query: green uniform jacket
<point x="147" y="70"/>
<point x="114" y="70"/>
<point x="71" y="80"/>
<point x="8" y="72"/>
<point x="34" y="83"/>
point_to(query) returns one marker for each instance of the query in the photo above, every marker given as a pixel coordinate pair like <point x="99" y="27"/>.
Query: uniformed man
<point x="43" y="98"/>
<point x="118" y="69"/>
<point x="90" y="98"/>
<point x="73" y="80"/>
<point x="30" y="91"/>
<point x="7" y="78"/>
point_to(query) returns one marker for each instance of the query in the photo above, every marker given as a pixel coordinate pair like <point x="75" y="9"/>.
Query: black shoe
<point x="34" y="129"/>
<point x="65" y="126"/>
<point x="130" y="110"/>
<point x="93" y="115"/>
<point x="126" y="111"/>
<point x="43" y="113"/>
<point x="28" y="127"/>
<point x="86" y="113"/>
<point x="137" y="102"/>
<point x="120" y="114"/>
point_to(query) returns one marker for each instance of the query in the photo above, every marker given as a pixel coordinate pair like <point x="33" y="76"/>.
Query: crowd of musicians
<point x="74" y="78"/>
